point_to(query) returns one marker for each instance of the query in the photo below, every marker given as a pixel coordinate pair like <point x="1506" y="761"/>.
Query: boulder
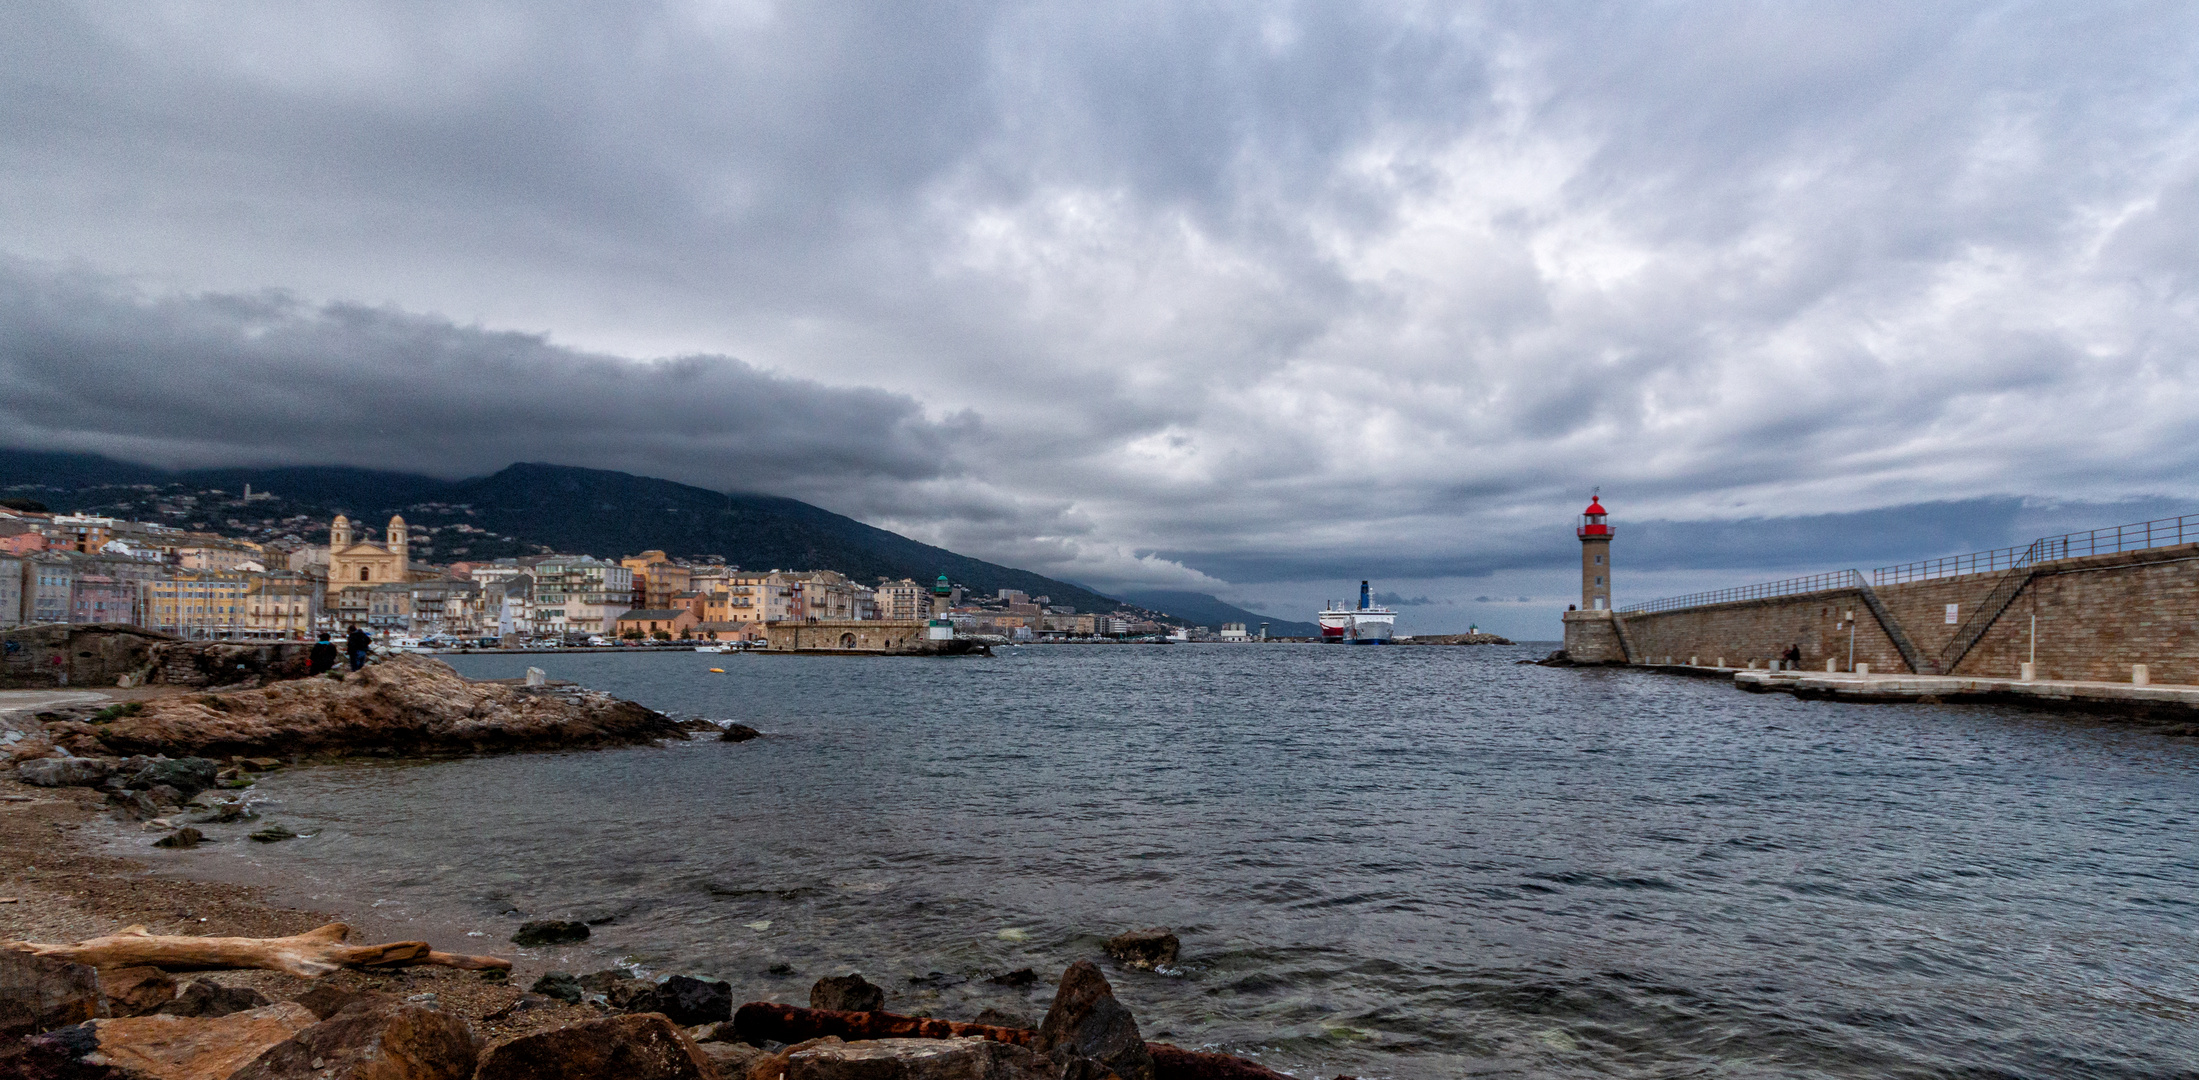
<point x="272" y="834"/>
<point x="685" y="1000"/>
<point x="17" y="1021"/>
<point x="407" y="703"/>
<point x="220" y="814"/>
<point x="631" y="995"/>
<point x="560" y="985"/>
<point x="550" y="932"/>
<point x="1145" y="949"/>
<point x="372" y="1041"/>
<point x="1086" y="1023"/>
<point x="202" y="997"/>
<point x="992" y="1017"/>
<point x="186" y="837"/>
<point x="54" y="992"/>
<point x="601" y="982"/>
<point x="64" y="772"/>
<point x="56" y="1055"/>
<point x="914" y="1059"/>
<point x="738" y="733"/>
<point x="188" y="775"/>
<point x="135" y="991"/>
<point x="194" y="1047"/>
<point x="846" y="993"/>
<point x="135" y="805"/>
<point x="733" y="1059"/>
<point x="638" y="1047"/>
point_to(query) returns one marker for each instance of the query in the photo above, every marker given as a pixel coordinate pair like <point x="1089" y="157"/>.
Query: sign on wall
<point x="1951" y="610"/>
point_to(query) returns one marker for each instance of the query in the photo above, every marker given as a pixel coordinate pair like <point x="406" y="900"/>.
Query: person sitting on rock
<point x="323" y="656"/>
<point x="356" y="644"/>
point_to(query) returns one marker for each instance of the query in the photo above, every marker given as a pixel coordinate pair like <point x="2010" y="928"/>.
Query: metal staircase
<point x="1989" y="609"/>
<point x="1910" y="654"/>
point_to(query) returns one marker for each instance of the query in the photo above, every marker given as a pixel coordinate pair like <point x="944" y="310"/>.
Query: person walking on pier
<point x="1794" y="658"/>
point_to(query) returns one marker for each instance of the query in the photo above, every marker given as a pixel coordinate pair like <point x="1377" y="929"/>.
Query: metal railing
<point x="2162" y="532"/>
<point x="1839" y="579"/>
<point x="1977" y="562"/>
<point x="2138" y="536"/>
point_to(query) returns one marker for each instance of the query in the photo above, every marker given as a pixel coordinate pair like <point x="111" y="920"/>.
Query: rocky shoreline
<point x="185" y="758"/>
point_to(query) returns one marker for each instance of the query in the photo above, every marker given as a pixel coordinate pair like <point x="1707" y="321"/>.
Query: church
<point x="353" y="563"/>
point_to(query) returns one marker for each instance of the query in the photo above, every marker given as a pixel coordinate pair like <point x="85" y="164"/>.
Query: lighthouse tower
<point x="1595" y="557"/>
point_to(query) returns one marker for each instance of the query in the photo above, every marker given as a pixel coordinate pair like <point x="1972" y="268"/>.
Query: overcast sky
<point x="1256" y="299"/>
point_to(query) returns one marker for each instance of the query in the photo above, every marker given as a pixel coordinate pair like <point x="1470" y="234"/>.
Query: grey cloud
<point x="1261" y="293"/>
<point x="87" y="364"/>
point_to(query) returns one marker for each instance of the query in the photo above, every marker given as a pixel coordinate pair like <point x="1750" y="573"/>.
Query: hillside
<point x="524" y="509"/>
<point x="1200" y="609"/>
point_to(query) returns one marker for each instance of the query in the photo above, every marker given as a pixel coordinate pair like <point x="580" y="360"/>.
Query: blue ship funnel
<point x="1362" y="596"/>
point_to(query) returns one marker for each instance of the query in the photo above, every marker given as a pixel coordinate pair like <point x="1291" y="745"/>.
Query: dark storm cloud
<point x="1257" y="292"/>
<point x="224" y="379"/>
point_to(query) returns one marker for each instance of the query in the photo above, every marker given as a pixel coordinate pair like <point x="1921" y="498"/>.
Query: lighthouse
<point x="1595" y="556"/>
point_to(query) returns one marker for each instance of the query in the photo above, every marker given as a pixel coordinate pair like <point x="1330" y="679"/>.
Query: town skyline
<point x="1240" y="302"/>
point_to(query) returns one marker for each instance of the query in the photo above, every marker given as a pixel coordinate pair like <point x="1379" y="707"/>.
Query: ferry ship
<point x="1362" y="625"/>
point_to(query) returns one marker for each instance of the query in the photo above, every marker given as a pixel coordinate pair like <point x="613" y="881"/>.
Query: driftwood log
<point x="759" y="1021"/>
<point x="311" y="955"/>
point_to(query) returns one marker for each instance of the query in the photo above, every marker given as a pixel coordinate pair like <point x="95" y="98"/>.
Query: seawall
<point x="2095" y="617"/>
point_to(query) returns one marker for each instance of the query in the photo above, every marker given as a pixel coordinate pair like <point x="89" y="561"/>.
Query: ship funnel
<point x="1362" y="596"/>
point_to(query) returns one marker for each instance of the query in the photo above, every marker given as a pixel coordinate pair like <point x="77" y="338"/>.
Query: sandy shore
<point x="59" y="887"/>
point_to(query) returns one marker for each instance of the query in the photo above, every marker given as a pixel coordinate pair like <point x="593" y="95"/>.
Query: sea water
<point x="1402" y="861"/>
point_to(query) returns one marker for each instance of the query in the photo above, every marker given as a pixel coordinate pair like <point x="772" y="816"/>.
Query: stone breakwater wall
<point x="2096" y="617"/>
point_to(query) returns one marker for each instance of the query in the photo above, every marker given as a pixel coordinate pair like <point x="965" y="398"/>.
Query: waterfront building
<point x="649" y="622"/>
<point x="97" y="598"/>
<point x="580" y="594"/>
<point x="49" y="584"/>
<point x="1235" y="631"/>
<point x="281" y="604"/>
<point x="241" y="555"/>
<point x="902" y="600"/>
<point x="196" y="604"/>
<point x="657" y="579"/>
<point x="11" y="591"/>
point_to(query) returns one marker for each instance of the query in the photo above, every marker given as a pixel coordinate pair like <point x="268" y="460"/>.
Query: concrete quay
<point x="2130" y="699"/>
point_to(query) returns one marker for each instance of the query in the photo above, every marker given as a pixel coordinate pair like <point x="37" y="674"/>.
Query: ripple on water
<point x="1387" y="862"/>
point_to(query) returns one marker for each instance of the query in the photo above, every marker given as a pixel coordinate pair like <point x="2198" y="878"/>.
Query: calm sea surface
<point x="1409" y="862"/>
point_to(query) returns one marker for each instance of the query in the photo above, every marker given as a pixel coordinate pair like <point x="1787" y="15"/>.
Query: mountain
<point x="524" y="509"/>
<point x="1200" y="609"/>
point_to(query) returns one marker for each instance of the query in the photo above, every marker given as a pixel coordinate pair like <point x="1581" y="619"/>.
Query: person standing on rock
<point x="323" y="656"/>
<point x="356" y="644"/>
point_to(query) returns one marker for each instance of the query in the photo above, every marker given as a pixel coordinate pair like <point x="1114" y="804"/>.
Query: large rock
<point x="639" y="1047"/>
<point x="64" y="772"/>
<point x="202" y="997"/>
<point x="407" y="704"/>
<point x="135" y="991"/>
<point x="1149" y="948"/>
<point x="187" y="776"/>
<point x="846" y="993"/>
<point x="549" y="932"/>
<point x="1087" y="1023"/>
<point x="56" y="1055"/>
<point x="685" y="1000"/>
<point x="560" y="985"/>
<point x="914" y="1059"/>
<point x="372" y="1041"/>
<point x="54" y="992"/>
<point x="162" y="1047"/>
